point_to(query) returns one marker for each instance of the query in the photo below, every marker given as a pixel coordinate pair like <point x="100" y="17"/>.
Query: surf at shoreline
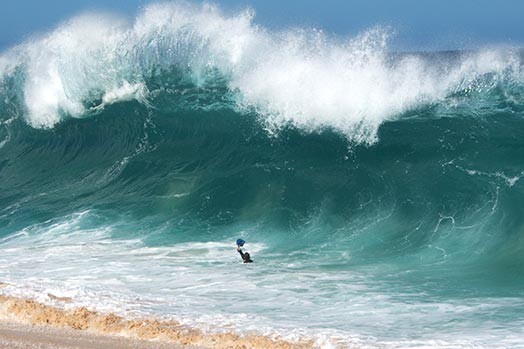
<point x="26" y="311"/>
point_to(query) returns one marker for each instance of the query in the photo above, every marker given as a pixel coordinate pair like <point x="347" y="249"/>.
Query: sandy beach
<point x="20" y="336"/>
<point x="25" y="323"/>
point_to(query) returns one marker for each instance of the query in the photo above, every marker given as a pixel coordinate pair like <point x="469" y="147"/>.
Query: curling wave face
<point x="382" y="187"/>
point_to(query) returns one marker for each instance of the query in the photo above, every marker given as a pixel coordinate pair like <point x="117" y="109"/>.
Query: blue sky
<point x="419" y="24"/>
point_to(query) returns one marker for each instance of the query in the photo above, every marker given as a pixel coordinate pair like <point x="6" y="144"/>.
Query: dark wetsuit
<point x="245" y="256"/>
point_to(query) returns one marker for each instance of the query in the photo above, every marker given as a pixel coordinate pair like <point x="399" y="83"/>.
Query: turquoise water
<point x="380" y="194"/>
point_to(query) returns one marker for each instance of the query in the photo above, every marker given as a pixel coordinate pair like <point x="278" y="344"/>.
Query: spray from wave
<point x="299" y="78"/>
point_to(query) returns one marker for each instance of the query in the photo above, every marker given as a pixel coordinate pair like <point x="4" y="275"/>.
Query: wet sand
<point x="26" y="323"/>
<point x="20" y="336"/>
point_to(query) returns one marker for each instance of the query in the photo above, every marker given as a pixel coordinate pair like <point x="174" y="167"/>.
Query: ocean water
<point x="379" y="193"/>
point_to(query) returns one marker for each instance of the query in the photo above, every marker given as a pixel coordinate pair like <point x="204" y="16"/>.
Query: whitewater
<point x="379" y="192"/>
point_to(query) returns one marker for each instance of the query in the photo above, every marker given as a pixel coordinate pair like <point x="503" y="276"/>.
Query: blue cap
<point x="240" y="242"/>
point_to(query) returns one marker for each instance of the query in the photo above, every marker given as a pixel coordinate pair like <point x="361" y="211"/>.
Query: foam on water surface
<point x="204" y="285"/>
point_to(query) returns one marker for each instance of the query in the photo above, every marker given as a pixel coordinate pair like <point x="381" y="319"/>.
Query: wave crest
<point x="303" y="78"/>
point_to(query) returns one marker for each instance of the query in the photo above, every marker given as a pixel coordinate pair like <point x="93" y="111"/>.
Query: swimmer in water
<point x="245" y="255"/>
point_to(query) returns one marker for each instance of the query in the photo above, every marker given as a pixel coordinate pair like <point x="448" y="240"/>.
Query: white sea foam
<point x="302" y="78"/>
<point x="126" y="92"/>
<point x="204" y="284"/>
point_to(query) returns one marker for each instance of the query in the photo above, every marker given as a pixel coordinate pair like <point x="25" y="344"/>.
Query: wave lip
<point x="301" y="78"/>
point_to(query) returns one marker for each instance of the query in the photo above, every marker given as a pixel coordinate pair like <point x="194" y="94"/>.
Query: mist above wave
<point x="301" y="77"/>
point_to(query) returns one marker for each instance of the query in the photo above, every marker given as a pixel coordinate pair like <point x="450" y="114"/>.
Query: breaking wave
<point x="300" y="78"/>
